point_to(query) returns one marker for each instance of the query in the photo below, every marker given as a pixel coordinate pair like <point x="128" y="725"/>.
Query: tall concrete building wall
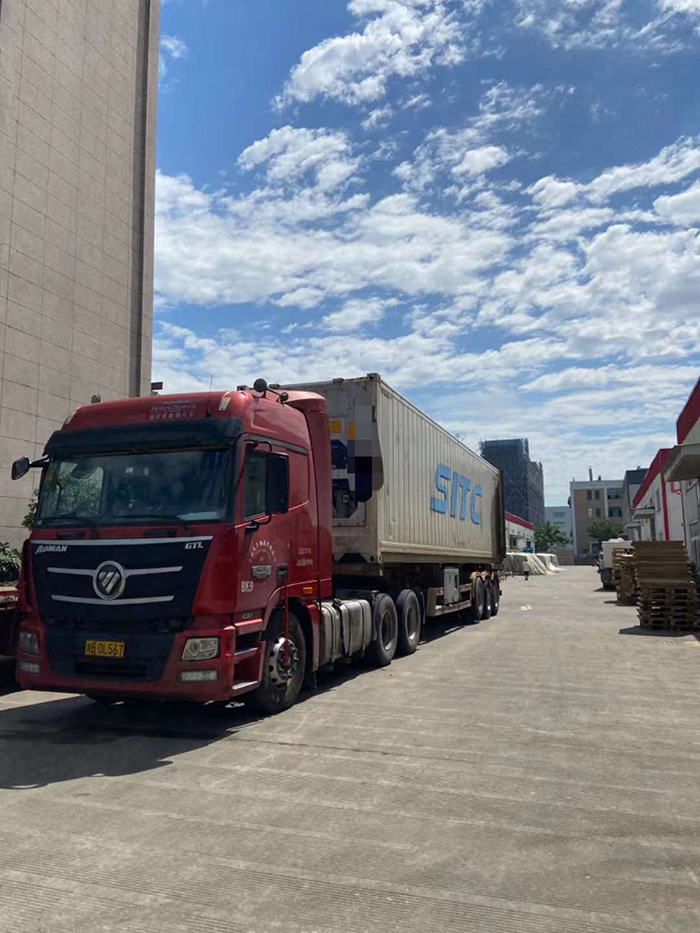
<point x="78" y="92"/>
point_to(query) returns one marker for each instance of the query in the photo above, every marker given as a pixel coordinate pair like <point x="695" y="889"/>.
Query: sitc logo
<point x="457" y="497"/>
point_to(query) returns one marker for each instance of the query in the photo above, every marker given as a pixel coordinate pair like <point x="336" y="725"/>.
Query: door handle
<point x="282" y="572"/>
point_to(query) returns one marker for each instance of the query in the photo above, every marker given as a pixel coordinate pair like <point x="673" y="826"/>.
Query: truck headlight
<point x="28" y="643"/>
<point x="201" y="649"/>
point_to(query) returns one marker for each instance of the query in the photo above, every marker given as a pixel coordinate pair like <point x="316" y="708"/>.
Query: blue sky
<point x="493" y="203"/>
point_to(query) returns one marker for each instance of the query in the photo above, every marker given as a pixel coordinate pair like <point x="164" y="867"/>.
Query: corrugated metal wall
<point x="412" y="448"/>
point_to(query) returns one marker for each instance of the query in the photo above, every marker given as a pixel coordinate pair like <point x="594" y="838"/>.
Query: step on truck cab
<point x="184" y="547"/>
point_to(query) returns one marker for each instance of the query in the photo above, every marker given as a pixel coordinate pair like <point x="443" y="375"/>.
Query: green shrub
<point x="9" y="563"/>
<point x="28" y="520"/>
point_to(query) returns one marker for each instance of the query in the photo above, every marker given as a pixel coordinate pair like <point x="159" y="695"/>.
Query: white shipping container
<point x="404" y="489"/>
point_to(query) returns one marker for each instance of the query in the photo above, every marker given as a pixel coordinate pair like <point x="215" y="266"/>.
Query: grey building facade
<point x="523" y="478"/>
<point x="560" y="517"/>
<point x="633" y="479"/>
<point x="78" y="96"/>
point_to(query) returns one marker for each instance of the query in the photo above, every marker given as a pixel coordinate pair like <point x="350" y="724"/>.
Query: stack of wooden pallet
<point x="623" y="575"/>
<point x="666" y="593"/>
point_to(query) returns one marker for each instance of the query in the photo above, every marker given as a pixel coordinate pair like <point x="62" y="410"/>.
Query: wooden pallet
<point x="666" y="592"/>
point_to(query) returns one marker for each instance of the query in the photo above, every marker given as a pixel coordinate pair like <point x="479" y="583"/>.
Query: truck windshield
<point x="186" y="485"/>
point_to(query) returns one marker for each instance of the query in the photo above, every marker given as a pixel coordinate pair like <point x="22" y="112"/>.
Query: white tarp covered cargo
<point x="516" y="559"/>
<point x="405" y="489"/>
<point x="548" y="561"/>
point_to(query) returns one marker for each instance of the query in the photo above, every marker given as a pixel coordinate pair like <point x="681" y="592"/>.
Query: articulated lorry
<point x="230" y="544"/>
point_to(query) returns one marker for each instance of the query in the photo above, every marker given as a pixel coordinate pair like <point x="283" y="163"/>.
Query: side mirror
<point x="277" y="484"/>
<point x="21" y="467"/>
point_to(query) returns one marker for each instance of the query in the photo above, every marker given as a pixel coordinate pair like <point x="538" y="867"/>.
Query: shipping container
<point x="404" y="488"/>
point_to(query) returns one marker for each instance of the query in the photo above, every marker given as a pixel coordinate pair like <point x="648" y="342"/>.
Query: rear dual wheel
<point x="385" y="625"/>
<point x="409" y="613"/>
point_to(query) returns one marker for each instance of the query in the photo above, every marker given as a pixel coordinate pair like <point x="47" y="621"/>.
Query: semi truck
<point x="220" y="545"/>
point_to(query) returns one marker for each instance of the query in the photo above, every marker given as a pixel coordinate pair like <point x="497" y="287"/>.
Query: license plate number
<point x="104" y="649"/>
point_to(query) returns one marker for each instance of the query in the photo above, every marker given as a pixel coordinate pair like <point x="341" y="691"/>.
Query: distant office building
<point x="593" y="501"/>
<point x="560" y="517"/>
<point x="78" y="94"/>
<point x="523" y="479"/>
<point x="630" y="487"/>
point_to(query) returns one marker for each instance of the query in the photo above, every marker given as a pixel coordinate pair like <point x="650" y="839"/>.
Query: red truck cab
<point x="181" y="549"/>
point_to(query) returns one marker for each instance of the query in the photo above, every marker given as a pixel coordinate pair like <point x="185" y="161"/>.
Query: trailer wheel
<point x="475" y="613"/>
<point x="488" y="600"/>
<point x="385" y="623"/>
<point x="408" y="608"/>
<point x="495" y="596"/>
<point x="283" y="667"/>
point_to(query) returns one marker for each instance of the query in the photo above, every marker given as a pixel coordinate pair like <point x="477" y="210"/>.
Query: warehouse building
<point x="683" y="467"/>
<point x="78" y="88"/>
<point x="658" y="510"/>
<point x="523" y="479"/>
<point x="520" y="534"/>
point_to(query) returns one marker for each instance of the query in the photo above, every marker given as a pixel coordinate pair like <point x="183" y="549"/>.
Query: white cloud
<point x="551" y="192"/>
<point x="170" y="49"/>
<point x="672" y="164"/>
<point x="355" y="314"/>
<point x="682" y="208"/>
<point x="379" y="117"/>
<point x="681" y="6"/>
<point x="597" y="24"/>
<point x="472" y="150"/>
<point x="215" y="248"/>
<point x="478" y="161"/>
<point x="289" y="153"/>
<point x="400" y="38"/>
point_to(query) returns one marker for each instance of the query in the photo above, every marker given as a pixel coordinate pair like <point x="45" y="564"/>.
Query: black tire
<point x="488" y="600"/>
<point x="409" y="613"/>
<point x="385" y="623"/>
<point x="495" y="596"/>
<point x="475" y="613"/>
<point x="281" y="683"/>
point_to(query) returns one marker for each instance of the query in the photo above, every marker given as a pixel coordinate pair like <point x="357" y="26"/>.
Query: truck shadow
<point x="8" y="684"/>
<point x="56" y="740"/>
<point x="45" y="742"/>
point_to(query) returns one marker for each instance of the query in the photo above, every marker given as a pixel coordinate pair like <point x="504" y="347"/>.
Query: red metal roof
<point x="519" y="521"/>
<point x="657" y="464"/>
<point x="689" y="415"/>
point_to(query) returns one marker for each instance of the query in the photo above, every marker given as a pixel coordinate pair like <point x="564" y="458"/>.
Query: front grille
<point x="102" y="627"/>
<point x="111" y="670"/>
<point x="145" y="654"/>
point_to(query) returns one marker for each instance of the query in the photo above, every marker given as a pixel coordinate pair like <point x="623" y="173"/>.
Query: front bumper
<point x="150" y="667"/>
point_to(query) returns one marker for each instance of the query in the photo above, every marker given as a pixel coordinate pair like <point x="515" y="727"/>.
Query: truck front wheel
<point x="283" y="666"/>
<point x="409" y="613"/>
<point x="385" y="623"/>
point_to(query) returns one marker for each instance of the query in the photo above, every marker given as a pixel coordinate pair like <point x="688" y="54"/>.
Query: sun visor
<point x="132" y="438"/>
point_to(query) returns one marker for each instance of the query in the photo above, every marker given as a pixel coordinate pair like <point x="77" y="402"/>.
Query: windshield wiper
<point x="73" y="518"/>
<point x="159" y="518"/>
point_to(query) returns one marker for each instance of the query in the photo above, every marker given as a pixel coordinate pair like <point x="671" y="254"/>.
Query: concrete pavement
<point x="536" y="773"/>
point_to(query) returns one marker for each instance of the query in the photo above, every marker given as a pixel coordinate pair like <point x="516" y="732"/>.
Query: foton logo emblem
<point x="51" y="549"/>
<point x="109" y="580"/>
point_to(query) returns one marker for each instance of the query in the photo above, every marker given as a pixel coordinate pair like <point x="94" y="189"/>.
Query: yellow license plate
<point x="104" y="649"/>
